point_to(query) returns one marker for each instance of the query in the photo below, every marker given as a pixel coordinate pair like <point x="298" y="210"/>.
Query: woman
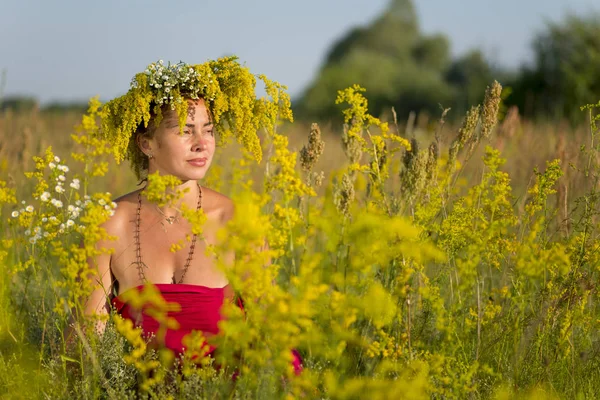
<point x="145" y="231"/>
<point x="166" y="125"/>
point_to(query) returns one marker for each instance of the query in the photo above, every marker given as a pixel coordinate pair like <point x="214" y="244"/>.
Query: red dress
<point x="200" y="310"/>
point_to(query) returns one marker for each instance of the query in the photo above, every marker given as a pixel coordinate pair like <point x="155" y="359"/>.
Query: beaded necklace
<point x="140" y="265"/>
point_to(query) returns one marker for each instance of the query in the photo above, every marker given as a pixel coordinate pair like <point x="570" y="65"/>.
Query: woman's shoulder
<point x="216" y="205"/>
<point x="124" y="212"/>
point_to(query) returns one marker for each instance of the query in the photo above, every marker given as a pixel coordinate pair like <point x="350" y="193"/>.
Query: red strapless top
<point x="200" y="310"/>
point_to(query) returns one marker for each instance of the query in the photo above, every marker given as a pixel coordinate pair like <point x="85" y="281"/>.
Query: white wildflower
<point x="59" y="189"/>
<point x="53" y="218"/>
<point x="45" y="196"/>
<point x="29" y="208"/>
<point x="70" y="223"/>
<point x="57" y="159"/>
<point x="44" y="219"/>
<point x="27" y="232"/>
<point x="102" y="202"/>
<point x="75" y="184"/>
<point x="15" y="214"/>
<point x="52" y="165"/>
<point x="61" y="178"/>
<point x="57" y="203"/>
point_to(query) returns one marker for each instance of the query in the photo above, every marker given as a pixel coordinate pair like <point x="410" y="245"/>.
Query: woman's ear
<point x="144" y="144"/>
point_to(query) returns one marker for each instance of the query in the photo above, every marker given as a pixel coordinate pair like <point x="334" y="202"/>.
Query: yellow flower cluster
<point x="386" y="346"/>
<point x="152" y="371"/>
<point x="7" y="195"/>
<point x="381" y="147"/>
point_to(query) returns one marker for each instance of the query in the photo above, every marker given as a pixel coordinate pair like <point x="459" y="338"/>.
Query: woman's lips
<point x="198" y="162"/>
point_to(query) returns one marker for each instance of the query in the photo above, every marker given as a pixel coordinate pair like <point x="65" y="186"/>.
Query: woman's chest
<point x="166" y="254"/>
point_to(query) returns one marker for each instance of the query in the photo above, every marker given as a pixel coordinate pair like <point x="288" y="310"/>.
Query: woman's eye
<point x="187" y="132"/>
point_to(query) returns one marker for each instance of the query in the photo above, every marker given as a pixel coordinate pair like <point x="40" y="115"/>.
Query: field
<point x="411" y="259"/>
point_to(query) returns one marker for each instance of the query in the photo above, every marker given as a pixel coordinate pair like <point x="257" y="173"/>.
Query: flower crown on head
<point x="227" y="87"/>
<point x="179" y="76"/>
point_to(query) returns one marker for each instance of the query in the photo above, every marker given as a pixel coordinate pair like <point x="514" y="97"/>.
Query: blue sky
<point x="70" y="50"/>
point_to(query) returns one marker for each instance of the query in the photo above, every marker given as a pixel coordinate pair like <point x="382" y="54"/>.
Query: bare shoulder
<point x="119" y="222"/>
<point x="217" y="206"/>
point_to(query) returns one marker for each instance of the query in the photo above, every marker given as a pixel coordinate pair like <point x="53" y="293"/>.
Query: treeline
<point x="401" y="67"/>
<point x="28" y="103"/>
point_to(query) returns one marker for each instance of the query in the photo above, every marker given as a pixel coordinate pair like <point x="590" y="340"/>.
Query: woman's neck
<point x="186" y="193"/>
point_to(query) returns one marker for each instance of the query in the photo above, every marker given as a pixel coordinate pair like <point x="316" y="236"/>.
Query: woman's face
<point x="186" y="156"/>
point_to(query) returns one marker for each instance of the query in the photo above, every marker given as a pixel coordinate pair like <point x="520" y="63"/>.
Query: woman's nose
<point x="199" y="143"/>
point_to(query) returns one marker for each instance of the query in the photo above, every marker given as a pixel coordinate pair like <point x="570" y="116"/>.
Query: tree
<point x="565" y="73"/>
<point x="396" y="64"/>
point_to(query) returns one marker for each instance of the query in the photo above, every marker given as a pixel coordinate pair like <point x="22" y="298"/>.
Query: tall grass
<point x="435" y="261"/>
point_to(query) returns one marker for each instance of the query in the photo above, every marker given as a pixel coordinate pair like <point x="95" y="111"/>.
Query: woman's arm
<point x="97" y="303"/>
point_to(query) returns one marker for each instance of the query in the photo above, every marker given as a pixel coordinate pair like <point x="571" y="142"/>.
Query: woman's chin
<point x="193" y="177"/>
<point x="188" y="174"/>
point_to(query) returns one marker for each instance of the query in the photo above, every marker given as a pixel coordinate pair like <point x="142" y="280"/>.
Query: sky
<point x="70" y="50"/>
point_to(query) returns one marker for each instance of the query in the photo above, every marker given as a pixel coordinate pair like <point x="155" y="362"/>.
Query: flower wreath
<point x="227" y="87"/>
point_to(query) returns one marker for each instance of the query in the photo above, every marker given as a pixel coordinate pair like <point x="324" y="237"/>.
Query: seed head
<point x="465" y="133"/>
<point x="430" y="166"/>
<point x="409" y="155"/>
<point x="491" y="104"/>
<point x="309" y="155"/>
<point x="344" y="195"/>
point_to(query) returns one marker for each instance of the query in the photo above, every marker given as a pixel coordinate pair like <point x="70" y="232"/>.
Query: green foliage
<point x="391" y="59"/>
<point x="564" y="74"/>
<point x="398" y="66"/>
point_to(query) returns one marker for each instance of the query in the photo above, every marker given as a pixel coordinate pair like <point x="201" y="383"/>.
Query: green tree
<point x="564" y="74"/>
<point x="396" y="64"/>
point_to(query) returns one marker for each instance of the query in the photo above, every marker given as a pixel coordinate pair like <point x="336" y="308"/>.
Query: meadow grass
<point x="411" y="260"/>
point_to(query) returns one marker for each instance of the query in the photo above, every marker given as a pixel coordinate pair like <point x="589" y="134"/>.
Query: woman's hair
<point x="138" y="160"/>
